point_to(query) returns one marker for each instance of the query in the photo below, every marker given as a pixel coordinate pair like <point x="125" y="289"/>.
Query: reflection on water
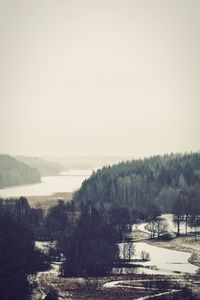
<point x="162" y="261"/>
<point x="65" y="182"/>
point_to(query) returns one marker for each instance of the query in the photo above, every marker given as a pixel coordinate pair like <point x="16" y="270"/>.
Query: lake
<point x="67" y="181"/>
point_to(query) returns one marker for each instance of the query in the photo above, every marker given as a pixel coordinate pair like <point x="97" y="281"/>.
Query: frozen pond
<point x="65" y="182"/>
<point x="162" y="261"/>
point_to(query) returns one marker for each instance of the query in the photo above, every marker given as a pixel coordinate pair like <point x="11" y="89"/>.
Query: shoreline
<point x="182" y="243"/>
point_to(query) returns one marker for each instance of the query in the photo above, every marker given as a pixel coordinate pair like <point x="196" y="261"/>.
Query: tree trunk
<point x="178" y="227"/>
<point x="186" y="224"/>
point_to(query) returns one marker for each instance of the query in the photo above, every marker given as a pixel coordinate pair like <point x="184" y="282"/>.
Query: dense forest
<point x="44" y="167"/>
<point x="140" y="185"/>
<point x="14" y="172"/>
<point x="86" y="238"/>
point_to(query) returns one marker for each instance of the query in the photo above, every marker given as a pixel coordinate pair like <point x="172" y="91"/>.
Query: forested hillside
<point x="140" y="185"/>
<point x="44" y="167"/>
<point x="14" y="172"/>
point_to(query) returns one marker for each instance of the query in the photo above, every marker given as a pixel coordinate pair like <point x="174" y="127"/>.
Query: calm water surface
<point x="67" y="181"/>
<point x="162" y="261"/>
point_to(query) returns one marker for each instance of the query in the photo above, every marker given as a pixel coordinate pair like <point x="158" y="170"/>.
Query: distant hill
<point x="14" y="172"/>
<point x="44" y="167"/>
<point x="88" y="162"/>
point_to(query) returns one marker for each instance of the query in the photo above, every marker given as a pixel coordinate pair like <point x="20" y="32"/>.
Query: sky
<point x="99" y="77"/>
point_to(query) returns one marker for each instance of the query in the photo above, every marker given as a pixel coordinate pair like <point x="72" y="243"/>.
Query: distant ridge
<point x="44" y="167"/>
<point x="89" y="161"/>
<point x="14" y="172"/>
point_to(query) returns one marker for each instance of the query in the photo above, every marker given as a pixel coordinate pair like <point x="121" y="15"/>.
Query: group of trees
<point x="14" y="172"/>
<point x="18" y="256"/>
<point x="87" y="236"/>
<point x="45" y="225"/>
<point x="60" y="219"/>
<point x="186" y="210"/>
<point x="140" y="184"/>
<point x="157" y="227"/>
<point x="21" y="211"/>
<point x="91" y="248"/>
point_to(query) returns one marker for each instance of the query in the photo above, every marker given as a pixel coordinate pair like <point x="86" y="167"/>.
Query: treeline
<point x="186" y="210"/>
<point x="141" y="184"/>
<point x="86" y="236"/>
<point x="14" y="172"/>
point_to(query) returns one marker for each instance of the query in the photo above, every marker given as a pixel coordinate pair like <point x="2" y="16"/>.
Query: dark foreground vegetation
<point x="87" y="239"/>
<point x="18" y="257"/>
<point x="14" y="172"/>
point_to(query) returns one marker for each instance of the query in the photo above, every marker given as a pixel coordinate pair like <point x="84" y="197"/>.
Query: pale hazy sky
<point x="99" y="77"/>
